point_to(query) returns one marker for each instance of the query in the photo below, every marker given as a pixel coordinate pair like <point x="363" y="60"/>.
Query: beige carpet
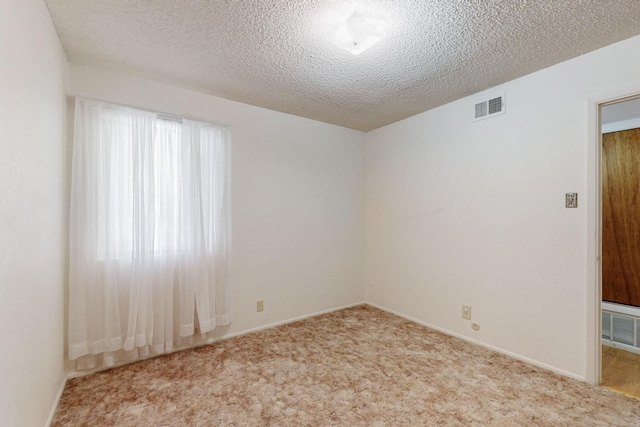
<point x="355" y="367"/>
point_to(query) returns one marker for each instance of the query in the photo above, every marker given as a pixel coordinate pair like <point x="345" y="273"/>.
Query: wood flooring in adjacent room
<point x="621" y="371"/>
<point x="355" y="367"/>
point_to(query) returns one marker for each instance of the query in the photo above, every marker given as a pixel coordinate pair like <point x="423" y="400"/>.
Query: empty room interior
<point x="319" y="212"/>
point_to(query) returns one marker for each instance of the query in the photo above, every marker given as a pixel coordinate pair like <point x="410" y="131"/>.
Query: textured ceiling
<point x="277" y="54"/>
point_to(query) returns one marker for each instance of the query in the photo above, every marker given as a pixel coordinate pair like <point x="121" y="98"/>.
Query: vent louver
<point x="621" y="330"/>
<point x="490" y="108"/>
<point x="495" y="105"/>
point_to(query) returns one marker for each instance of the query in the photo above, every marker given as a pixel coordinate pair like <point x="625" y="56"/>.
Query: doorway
<point x="620" y="246"/>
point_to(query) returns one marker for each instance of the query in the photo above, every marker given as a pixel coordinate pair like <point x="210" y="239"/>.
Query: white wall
<point x="33" y="219"/>
<point x="297" y="199"/>
<point x="456" y="212"/>
<point x="473" y="213"/>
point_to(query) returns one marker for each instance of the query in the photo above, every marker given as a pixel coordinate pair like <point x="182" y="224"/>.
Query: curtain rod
<point x="161" y="115"/>
<point x="169" y="117"/>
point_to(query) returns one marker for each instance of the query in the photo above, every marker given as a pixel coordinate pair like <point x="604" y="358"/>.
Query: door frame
<point x="594" y="225"/>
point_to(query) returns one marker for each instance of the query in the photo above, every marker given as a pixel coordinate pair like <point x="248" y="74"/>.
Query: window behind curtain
<point x="149" y="231"/>
<point x="165" y="168"/>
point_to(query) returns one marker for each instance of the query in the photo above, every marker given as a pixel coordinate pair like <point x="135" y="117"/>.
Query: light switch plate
<point x="571" y="200"/>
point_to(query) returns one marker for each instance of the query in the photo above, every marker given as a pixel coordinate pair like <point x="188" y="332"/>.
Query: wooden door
<point x="621" y="217"/>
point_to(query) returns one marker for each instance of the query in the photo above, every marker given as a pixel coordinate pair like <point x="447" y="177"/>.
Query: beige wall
<point x="297" y="198"/>
<point x="33" y="71"/>
<point x="462" y="212"/>
<point x="456" y="212"/>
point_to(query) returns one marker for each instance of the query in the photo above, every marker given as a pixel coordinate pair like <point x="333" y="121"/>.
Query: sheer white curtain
<point x="149" y="233"/>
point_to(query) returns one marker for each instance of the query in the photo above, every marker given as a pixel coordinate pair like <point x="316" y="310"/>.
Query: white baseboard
<point x="306" y="316"/>
<point x="78" y="374"/>
<point x="485" y="345"/>
<point x="56" y="402"/>
<point x="284" y="322"/>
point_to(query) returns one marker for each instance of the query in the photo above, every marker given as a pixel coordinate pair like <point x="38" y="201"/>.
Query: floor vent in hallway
<point x="621" y="326"/>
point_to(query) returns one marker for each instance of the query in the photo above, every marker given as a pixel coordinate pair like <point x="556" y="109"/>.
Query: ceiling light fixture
<point x="358" y="33"/>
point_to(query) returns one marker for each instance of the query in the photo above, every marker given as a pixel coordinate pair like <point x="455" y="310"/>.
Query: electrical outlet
<point x="475" y="326"/>
<point x="260" y="306"/>
<point x="466" y="312"/>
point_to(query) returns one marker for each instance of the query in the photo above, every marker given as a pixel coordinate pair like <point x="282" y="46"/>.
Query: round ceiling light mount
<point x="359" y="33"/>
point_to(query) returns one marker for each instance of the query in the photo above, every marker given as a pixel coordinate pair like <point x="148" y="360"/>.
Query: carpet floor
<point x="355" y="367"/>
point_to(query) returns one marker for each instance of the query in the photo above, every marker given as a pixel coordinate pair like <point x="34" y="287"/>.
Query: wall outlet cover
<point x="466" y="312"/>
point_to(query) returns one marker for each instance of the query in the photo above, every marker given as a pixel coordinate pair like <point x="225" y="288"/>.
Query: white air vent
<point x="620" y="327"/>
<point x="490" y="108"/>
